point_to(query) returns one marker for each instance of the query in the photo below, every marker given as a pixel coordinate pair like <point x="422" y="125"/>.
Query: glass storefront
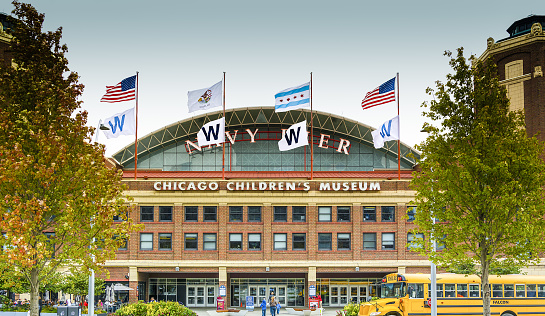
<point x="200" y="292"/>
<point x="339" y="292"/>
<point x="289" y="292"/>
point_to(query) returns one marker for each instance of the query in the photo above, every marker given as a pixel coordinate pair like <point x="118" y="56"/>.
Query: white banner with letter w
<point x="120" y="124"/>
<point x="212" y="133"/>
<point x="293" y="137"/>
<point x="388" y="131"/>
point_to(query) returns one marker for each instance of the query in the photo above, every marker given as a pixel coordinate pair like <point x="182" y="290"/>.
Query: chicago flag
<point x="293" y="137"/>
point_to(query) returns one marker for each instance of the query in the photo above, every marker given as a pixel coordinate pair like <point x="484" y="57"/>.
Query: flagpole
<point x="224" y="143"/>
<point x="136" y="133"/>
<point x="399" y="132"/>
<point x="311" y="133"/>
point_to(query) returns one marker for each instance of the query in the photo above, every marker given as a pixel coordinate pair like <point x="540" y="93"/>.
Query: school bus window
<point x="508" y="290"/>
<point x="461" y="290"/>
<point x="519" y="290"/>
<point x="450" y="290"/>
<point x="541" y="290"/>
<point x="439" y="291"/>
<point x="530" y="290"/>
<point x="416" y="290"/>
<point x="497" y="290"/>
<point x="474" y="290"/>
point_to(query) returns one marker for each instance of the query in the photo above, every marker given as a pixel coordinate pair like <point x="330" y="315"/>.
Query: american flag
<point x="123" y="91"/>
<point x="385" y="93"/>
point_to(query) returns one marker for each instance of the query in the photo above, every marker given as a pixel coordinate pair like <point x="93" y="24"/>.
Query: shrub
<point x="352" y="309"/>
<point x="155" y="309"/>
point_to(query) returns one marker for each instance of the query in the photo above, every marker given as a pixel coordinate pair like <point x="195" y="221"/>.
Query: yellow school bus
<point x="457" y="294"/>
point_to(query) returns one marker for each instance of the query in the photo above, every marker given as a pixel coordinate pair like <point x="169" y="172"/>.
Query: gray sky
<point x="351" y="47"/>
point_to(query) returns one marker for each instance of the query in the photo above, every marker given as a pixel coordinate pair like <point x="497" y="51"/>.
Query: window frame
<point x="148" y="208"/>
<point x="159" y="241"/>
<point x="236" y="210"/>
<point x="206" y="242"/>
<point x="280" y="214"/>
<point x="367" y="241"/>
<point x="383" y="241"/>
<point x="275" y="241"/>
<point x="329" y="213"/>
<point x="252" y="213"/>
<point x="373" y="214"/>
<point x="296" y="213"/>
<point x="196" y="241"/>
<point x="196" y="213"/>
<point x="392" y="214"/>
<point x="207" y="213"/>
<point x="322" y="242"/>
<point x="253" y="241"/>
<point x="294" y="241"/>
<point x="411" y="237"/>
<point x="147" y="241"/>
<point x="411" y="213"/>
<point x="161" y="213"/>
<point x="343" y="240"/>
<point x="239" y="242"/>
<point x="346" y="212"/>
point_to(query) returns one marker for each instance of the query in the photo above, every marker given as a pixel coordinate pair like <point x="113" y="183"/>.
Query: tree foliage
<point x="77" y="283"/>
<point x="56" y="192"/>
<point x="482" y="177"/>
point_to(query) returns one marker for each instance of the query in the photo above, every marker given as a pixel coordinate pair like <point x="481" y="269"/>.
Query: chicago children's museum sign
<point x="265" y="186"/>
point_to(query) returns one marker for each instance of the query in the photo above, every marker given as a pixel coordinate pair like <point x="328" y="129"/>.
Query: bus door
<point x="416" y="293"/>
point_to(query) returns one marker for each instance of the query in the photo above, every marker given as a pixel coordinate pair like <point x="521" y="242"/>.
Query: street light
<point x="433" y="268"/>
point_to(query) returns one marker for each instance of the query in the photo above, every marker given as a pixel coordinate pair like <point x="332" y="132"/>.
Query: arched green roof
<point x="264" y="118"/>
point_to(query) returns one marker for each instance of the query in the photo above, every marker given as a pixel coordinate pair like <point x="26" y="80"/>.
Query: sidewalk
<point x="328" y="311"/>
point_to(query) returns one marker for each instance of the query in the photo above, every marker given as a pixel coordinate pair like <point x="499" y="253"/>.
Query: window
<point x="299" y="214"/>
<point x="165" y="241"/>
<point x="497" y="290"/>
<point x="146" y="213"/>
<point x="530" y="290"/>
<point x="474" y="290"/>
<point x="411" y="212"/>
<point x="461" y="290"/>
<point x="324" y="241"/>
<point x="235" y="241"/>
<point x="254" y="241"/>
<point x="439" y="243"/>
<point x="412" y="237"/>
<point x="191" y="213"/>
<point x="299" y="241"/>
<point x="120" y="218"/>
<point x="280" y="241"/>
<point x="343" y="214"/>
<point x="450" y="290"/>
<point x="508" y="290"/>
<point x="235" y="213"/>
<point x="369" y="214"/>
<point x="254" y="213"/>
<point x="146" y="241"/>
<point x="280" y="213"/>
<point x="369" y="241"/>
<point x="415" y="290"/>
<point x="123" y="246"/>
<point x="388" y="241"/>
<point x="191" y="241"/>
<point x="388" y="213"/>
<point x="343" y="241"/>
<point x="210" y="214"/>
<point x="209" y="241"/>
<point x="165" y="213"/>
<point x="541" y="290"/>
<point x="439" y="290"/>
<point x="519" y="290"/>
<point x="324" y="214"/>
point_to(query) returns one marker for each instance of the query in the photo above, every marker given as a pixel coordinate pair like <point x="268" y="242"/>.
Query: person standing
<point x="272" y="304"/>
<point x="263" y="307"/>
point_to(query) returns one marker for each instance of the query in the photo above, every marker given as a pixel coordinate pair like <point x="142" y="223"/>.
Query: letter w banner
<point x="388" y="131"/>
<point x="212" y="133"/>
<point x="293" y="137"/>
<point x="120" y="124"/>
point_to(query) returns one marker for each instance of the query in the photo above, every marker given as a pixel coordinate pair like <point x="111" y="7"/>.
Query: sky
<point x="350" y="46"/>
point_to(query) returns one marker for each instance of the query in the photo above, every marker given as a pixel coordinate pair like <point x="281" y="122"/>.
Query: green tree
<point x="481" y="176"/>
<point x="57" y="193"/>
<point x="77" y="283"/>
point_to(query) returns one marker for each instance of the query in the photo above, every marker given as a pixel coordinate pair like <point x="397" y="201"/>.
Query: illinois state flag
<point x="388" y="131"/>
<point x="293" y="137"/>
<point x="212" y="133"/>
<point x="206" y="98"/>
<point x="123" y="91"/>
<point x="292" y="98"/>
<point x="120" y="124"/>
<point x="382" y="94"/>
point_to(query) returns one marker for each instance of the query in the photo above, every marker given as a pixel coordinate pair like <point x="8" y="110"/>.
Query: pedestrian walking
<point x="263" y="307"/>
<point x="272" y="304"/>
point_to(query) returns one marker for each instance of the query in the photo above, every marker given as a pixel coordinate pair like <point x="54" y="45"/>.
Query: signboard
<point x="266" y="186"/>
<point x="250" y="302"/>
<point x="312" y="290"/>
<point x="223" y="290"/>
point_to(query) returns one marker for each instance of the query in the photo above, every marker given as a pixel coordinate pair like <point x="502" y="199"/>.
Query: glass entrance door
<point x="263" y="294"/>
<point x="210" y="296"/>
<point x="338" y="295"/>
<point x="200" y="296"/>
<point x="358" y="294"/>
<point x="253" y="294"/>
<point x="281" y="295"/>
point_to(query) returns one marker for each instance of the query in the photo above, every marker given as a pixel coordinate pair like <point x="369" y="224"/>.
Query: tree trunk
<point x="485" y="284"/>
<point x="34" y="293"/>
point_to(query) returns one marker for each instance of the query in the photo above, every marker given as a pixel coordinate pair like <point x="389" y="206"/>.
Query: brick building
<point x="521" y="62"/>
<point x="270" y="224"/>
